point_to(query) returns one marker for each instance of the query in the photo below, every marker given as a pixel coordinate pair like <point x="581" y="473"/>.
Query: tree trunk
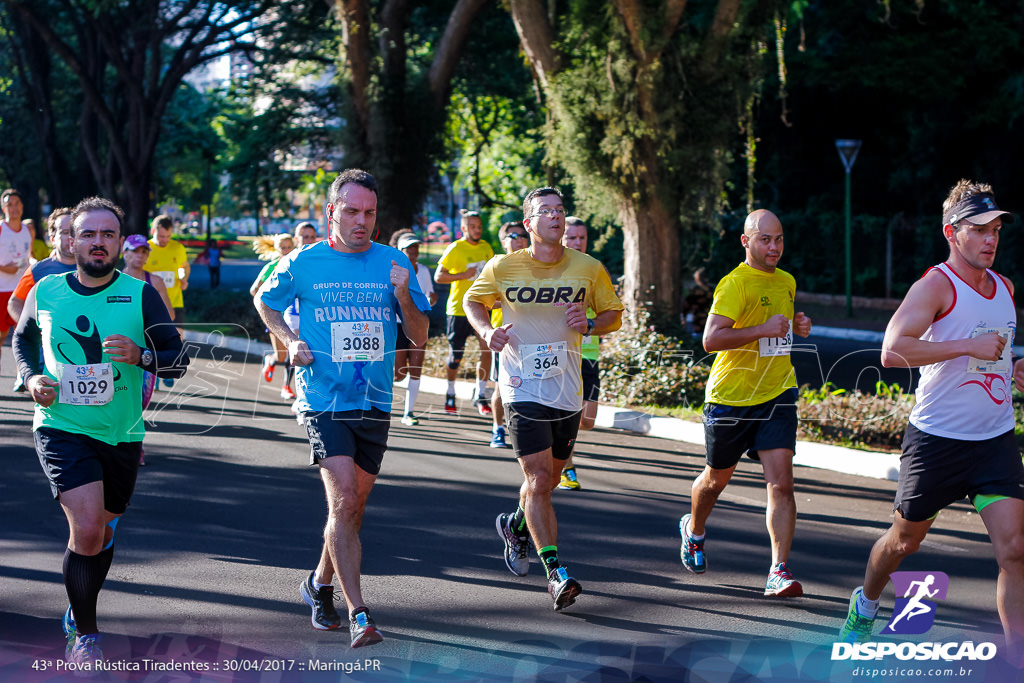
<point x="650" y="231"/>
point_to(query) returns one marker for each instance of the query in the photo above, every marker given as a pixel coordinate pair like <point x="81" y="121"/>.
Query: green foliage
<point x="855" y="418"/>
<point x="188" y="148"/>
<point x="641" y="367"/>
<point x="220" y="306"/>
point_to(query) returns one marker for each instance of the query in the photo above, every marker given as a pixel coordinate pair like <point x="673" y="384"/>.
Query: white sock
<point x="481" y="388"/>
<point x="410" y="395"/>
<point x="451" y="387"/>
<point x="495" y="428"/>
<point x="865" y="607"/>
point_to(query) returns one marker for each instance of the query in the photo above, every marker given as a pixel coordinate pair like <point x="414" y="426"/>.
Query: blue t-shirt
<point x="349" y="314"/>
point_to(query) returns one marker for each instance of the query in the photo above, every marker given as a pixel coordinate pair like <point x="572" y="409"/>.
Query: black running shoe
<point x="362" y="629"/>
<point x="517" y="550"/>
<point x="325" y="617"/>
<point x="563" y="588"/>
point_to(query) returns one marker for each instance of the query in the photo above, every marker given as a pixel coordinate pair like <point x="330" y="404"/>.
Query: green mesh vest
<point x="73" y="328"/>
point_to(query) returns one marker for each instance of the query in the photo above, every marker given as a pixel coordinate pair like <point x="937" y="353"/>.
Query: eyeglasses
<point x="515" y="236"/>
<point x="549" y="213"/>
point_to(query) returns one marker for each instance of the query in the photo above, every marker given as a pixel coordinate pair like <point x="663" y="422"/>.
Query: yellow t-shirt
<point x="457" y="258"/>
<point x="541" y="362"/>
<point x="750" y="374"/>
<point x="168" y="263"/>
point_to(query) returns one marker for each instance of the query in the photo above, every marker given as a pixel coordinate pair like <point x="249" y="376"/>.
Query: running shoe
<point x="70" y="631"/>
<point x="449" y="405"/>
<point x="85" y="653"/>
<point x="287" y="393"/>
<point x="19" y="385"/>
<point x="563" y="588"/>
<point x="781" y="583"/>
<point x="691" y="552"/>
<point x="362" y="629"/>
<point x="168" y="382"/>
<point x="569" y="482"/>
<point x="517" y="550"/>
<point x="268" y="368"/>
<point x="325" y="617"/>
<point x="410" y="420"/>
<point x="857" y="628"/>
<point x="498" y="438"/>
<point x="484" y="406"/>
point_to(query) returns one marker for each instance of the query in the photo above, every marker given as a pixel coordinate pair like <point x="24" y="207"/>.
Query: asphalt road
<point x="226" y="521"/>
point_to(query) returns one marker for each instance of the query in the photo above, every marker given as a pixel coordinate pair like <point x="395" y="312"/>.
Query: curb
<point x="808" y="453"/>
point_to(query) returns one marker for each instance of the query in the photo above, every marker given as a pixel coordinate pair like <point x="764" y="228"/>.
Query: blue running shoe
<point x="691" y="552"/>
<point x="498" y="438"/>
<point x="86" y="654"/>
<point x="70" y="630"/>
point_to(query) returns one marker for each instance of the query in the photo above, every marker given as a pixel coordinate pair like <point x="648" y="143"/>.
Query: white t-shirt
<point x="15" y="247"/>
<point x="426" y="279"/>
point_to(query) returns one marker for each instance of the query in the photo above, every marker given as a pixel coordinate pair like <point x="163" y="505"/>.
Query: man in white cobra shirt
<point x="544" y="292"/>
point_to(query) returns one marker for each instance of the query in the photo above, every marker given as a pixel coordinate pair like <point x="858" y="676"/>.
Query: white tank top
<point x="964" y="398"/>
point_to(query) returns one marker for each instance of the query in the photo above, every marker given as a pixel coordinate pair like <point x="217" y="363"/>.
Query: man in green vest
<point x="99" y="331"/>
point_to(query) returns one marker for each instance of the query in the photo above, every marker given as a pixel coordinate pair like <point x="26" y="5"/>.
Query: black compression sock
<point x="83" y="577"/>
<point x="518" y="523"/>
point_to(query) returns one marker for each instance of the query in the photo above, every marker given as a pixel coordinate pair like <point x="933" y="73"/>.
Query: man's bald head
<point x="762" y="218"/>
<point x="762" y="238"/>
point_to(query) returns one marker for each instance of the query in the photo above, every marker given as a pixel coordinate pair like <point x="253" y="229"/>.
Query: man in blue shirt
<point x="350" y="291"/>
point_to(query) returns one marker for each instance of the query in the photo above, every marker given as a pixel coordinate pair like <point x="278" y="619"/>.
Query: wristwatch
<point x="146" y="358"/>
<point x="590" y="325"/>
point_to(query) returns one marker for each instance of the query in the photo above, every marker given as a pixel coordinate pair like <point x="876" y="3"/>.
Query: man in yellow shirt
<point x="460" y="264"/>
<point x="169" y="262"/>
<point x="544" y="292"/>
<point x="750" y="399"/>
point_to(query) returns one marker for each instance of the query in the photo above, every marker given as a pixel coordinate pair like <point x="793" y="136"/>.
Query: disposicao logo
<point x="915" y="611"/>
<point x="917" y="594"/>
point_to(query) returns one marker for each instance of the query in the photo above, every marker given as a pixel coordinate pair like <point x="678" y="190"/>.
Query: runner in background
<point x="272" y="248"/>
<point x="575" y="237"/>
<point x="459" y="266"/>
<point x="513" y="238"/>
<point x="409" y="356"/>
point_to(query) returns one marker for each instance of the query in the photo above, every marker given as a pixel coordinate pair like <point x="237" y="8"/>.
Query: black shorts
<point x="731" y="431"/>
<point x="401" y="341"/>
<point x="535" y="428"/>
<point x="458" y="331"/>
<point x="358" y="434"/>
<point x="591" y="379"/>
<point x="179" y="316"/>
<point x="72" y="460"/>
<point x="936" y="471"/>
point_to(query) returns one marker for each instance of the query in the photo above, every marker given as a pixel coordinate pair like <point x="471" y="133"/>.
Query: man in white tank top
<point x="957" y="325"/>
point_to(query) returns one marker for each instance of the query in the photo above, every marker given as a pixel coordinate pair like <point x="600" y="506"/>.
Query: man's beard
<point x="93" y="269"/>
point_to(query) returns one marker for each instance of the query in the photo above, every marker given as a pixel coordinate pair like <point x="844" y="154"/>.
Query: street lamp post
<point x="848" y="154"/>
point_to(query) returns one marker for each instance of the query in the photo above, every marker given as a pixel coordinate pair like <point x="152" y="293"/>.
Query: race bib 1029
<point x="86" y="385"/>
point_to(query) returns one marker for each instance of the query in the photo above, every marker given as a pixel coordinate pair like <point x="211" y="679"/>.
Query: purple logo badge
<point x="915" y="592"/>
